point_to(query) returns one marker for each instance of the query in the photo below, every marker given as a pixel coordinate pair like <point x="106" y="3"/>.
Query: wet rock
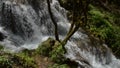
<point x="2" y="36"/>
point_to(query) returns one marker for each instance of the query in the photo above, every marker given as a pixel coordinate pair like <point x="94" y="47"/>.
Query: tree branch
<point x="55" y="24"/>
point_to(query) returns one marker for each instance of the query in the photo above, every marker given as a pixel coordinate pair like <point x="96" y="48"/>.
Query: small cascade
<point x="26" y="23"/>
<point x="90" y="53"/>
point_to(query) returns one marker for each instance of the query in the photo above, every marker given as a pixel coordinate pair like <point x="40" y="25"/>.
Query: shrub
<point x="102" y="25"/>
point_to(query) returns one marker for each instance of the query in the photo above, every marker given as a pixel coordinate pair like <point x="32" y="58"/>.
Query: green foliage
<point x="98" y="24"/>
<point x="19" y="60"/>
<point x="23" y="60"/>
<point x="102" y="25"/>
<point x="57" y="54"/>
<point x="5" y="62"/>
<point x="55" y="51"/>
<point x="45" y="47"/>
<point x="52" y="49"/>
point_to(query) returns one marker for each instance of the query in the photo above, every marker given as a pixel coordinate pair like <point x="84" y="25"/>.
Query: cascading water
<point x="90" y="55"/>
<point x="26" y="23"/>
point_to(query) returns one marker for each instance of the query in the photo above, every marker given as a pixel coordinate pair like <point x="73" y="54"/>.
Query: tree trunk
<point x="55" y="24"/>
<point x="71" y="33"/>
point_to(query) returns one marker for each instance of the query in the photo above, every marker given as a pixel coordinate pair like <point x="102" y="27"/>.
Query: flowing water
<point x="26" y="23"/>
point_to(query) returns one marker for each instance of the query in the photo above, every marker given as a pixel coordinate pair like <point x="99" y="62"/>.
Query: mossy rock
<point x="57" y="53"/>
<point x="52" y="49"/>
<point x="45" y="47"/>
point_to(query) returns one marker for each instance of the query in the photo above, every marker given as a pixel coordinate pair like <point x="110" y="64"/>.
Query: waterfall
<point x="26" y="23"/>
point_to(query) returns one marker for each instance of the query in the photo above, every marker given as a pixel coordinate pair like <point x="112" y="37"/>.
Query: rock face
<point x="2" y="37"/>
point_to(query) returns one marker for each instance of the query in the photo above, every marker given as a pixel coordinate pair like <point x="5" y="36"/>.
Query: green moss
<point x="52" y="49"/>
<point x="24" y="60"/>
<point x="57" y="53"/>
<point x="5" y="62"/>
<point x="19" y="60"/>
<point x="45" y="47"/>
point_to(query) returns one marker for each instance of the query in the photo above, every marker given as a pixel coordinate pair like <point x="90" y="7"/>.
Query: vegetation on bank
<point x="102" y="24"/>
<point x="16" y="60"/>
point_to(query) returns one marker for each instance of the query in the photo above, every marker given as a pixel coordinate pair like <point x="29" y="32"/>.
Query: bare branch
<point x="54" y="22"/>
